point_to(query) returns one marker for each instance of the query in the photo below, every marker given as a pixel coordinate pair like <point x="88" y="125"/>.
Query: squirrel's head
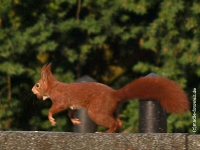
<point x="43" y="86"/>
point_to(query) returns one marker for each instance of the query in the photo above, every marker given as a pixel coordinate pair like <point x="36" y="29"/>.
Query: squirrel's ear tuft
<point x="46" y="67"/>
<point x="46" y="71"/>
<point x="49" y="66"/>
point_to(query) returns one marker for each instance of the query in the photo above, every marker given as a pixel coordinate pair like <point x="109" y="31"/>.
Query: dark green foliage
<point x="111" y="41"/>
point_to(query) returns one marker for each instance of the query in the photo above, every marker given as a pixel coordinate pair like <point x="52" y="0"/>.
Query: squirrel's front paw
<point x="76" y="121"/>
<point x="53" y="123"/>
<point x="52" y="120"/>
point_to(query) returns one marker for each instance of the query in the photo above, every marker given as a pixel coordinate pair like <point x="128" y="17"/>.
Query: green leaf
<point x="12" y="68"/>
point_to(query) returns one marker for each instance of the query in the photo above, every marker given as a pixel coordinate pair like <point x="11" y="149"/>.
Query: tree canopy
<point x="114" y="42"/>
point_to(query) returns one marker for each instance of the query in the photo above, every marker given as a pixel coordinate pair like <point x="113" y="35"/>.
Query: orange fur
<point x="102" y="101"/>
<point x="167" y="92"/>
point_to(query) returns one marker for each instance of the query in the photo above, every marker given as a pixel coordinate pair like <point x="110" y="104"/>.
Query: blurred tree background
<point x="114" y="42"/>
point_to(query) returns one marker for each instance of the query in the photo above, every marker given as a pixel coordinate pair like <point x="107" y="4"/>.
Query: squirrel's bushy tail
<point x="172" y="98"/>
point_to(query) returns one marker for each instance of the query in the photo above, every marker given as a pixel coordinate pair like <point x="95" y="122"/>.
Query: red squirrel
<point x="101" y="101"/>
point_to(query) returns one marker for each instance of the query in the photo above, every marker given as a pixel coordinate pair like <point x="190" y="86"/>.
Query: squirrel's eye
<point x="37" y="85"/>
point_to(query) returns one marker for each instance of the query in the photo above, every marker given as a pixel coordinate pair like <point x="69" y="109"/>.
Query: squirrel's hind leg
<point x="113" y="124"/>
